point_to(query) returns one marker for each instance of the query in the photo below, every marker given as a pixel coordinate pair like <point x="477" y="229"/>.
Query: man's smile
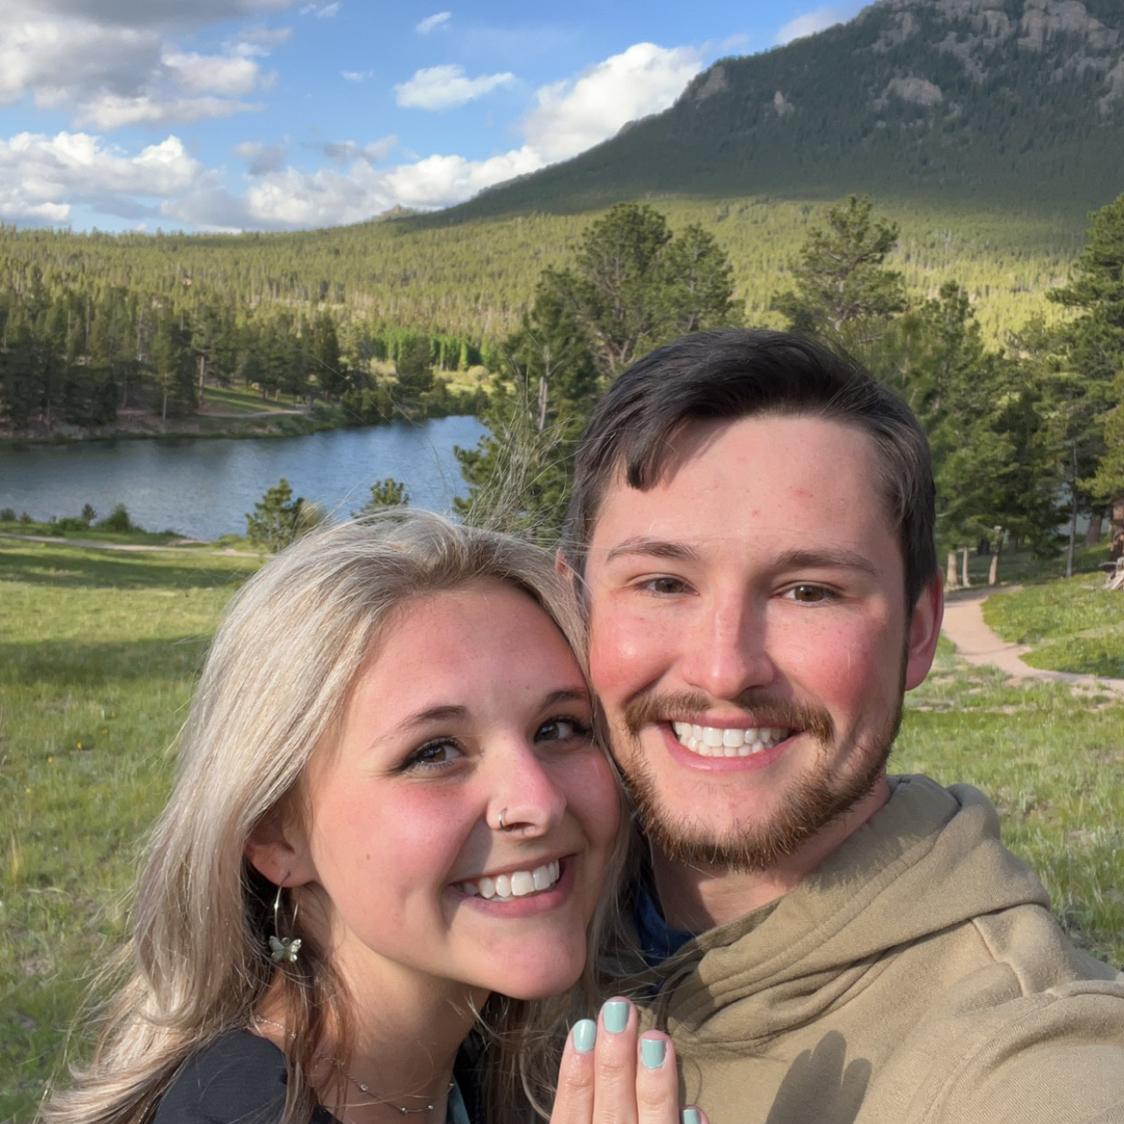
<point x="729" y="741"/>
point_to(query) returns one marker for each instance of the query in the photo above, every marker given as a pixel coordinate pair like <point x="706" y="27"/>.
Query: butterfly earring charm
<point x="283" y="949"/>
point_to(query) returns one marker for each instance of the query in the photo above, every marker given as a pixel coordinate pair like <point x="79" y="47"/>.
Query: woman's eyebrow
<point x="433" y="714"/>
<point x="566" y="694"/>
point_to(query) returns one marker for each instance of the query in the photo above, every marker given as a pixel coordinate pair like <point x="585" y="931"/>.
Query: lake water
<point x="203" y="487"/>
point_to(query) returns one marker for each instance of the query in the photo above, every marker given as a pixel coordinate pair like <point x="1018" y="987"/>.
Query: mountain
<point x="1011" y="100"/>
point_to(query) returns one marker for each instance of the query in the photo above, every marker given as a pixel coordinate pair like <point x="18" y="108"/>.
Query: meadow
<point x="98" y="653"/>
<point x="1073" y="625"/>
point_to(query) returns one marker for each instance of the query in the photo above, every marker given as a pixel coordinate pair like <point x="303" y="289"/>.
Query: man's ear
<point x="563" y="568"/>
<point x="278" y="850"/>
<point x="923" y="632"/>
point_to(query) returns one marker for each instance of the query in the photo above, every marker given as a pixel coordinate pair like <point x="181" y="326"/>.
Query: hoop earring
<point x="283" y="948"/>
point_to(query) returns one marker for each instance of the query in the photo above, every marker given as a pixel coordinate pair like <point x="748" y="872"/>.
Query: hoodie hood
<point x="874" y="895"/>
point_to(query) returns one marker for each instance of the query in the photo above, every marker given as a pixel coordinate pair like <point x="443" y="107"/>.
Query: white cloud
<point x="71" y="55"/>
<point x="444" y="87"/>
<point x="811" y="22"/>
<point x="321" y="11"/>
<point x="440" y="181"/>
<point x="574" y="114"/>
<point x="42" y="177"/>
<point x="111" y="112"/>
<point x="431" y="23"/>
<point x="232" y="75"/>
<point x="357" y="75"/>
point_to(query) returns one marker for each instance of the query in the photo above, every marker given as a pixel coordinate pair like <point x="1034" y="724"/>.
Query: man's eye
<point x="433" y="755"/>
<point x="563" y="730"/>
<point x="809" y="594"/>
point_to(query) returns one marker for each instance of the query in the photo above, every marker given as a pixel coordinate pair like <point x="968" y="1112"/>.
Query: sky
<point x="228" y="115"/>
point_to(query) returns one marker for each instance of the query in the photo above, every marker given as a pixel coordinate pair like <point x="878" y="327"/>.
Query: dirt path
<point x="964" y="625"/>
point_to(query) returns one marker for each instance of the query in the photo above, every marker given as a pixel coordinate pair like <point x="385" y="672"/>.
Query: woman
<point x="390" y="824"/>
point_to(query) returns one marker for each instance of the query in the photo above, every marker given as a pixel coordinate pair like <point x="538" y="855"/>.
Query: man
<point x="752" y="529"/>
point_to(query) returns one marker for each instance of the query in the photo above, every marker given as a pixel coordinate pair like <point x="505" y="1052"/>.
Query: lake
<point x="203" y="487"/>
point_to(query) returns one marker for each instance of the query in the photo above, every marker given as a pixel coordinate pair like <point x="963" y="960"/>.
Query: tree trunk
<point x="1071" y="546"/>
<point x="1095" y="529"/>
<point x="965" y="581"/>
<point x="1116" y="530"/>
<point x="543" y="392"/>
<point x="202" y="377"/>
<point x="993" y="569"/>
<point x="950" y="579"/>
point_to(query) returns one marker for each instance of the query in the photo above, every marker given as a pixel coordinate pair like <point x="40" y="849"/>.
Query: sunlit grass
<point x="98" y="654"/>
<point x="1053" y="763"/>
<point x="1075" y="625"/>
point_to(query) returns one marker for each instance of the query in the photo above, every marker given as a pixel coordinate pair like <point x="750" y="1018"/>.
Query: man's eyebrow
<point x="653" y="548"/>
<point x="833" y="558"/>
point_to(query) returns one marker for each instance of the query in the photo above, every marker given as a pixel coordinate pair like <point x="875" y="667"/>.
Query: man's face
<point x="749" y="637"/>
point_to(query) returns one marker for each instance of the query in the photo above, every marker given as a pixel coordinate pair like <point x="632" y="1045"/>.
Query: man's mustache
<point x="761" y="710"/>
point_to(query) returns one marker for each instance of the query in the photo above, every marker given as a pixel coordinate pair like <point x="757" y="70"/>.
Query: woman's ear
<point x="278" y="850"/>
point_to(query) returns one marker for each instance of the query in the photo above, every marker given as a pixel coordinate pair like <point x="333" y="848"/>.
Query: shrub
<point x="117" y="520"/>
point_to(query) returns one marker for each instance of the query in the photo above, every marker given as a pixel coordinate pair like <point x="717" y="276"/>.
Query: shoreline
<point x="296" y="425"/>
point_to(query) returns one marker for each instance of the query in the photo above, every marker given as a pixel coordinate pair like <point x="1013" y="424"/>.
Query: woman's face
<point x="472" y="706"/>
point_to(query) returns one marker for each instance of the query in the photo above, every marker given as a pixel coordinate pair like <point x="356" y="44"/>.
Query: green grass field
<point x="234" y="401"/>
<point x="98" y="653"/>
<point x="1074" y="625"/>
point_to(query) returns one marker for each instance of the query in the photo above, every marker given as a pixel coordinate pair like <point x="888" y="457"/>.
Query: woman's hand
<point x="608" y="1076"/>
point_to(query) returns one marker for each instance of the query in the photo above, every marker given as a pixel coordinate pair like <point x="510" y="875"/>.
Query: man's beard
<point x="810" y="802"/>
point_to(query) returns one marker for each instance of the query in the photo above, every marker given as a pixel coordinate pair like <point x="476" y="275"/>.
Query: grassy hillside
<point x="98" y="653"/>
<point x="474" y="276"/>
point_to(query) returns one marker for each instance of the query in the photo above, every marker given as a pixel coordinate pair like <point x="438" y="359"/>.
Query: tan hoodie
<point x="917" y="977"/>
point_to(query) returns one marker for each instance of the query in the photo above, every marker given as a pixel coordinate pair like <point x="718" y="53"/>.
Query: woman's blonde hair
<point x="275" y="682"/>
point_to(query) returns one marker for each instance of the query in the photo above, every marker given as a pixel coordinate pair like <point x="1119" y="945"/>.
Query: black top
<point x="238" y="1079"/>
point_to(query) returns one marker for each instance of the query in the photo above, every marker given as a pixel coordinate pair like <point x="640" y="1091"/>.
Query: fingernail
<point x="691" y="1116"/>
<point x="652" y="1052"/>
<point x="585" y="1035"/>
<point x="614" y="1014"/>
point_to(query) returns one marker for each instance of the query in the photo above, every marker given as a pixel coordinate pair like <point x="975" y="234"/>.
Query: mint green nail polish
<point x="652" y="1052"/>
<point x="614" y="1014"/>
<point x="585" y="1035"/>
<point x="691" y="1116"/>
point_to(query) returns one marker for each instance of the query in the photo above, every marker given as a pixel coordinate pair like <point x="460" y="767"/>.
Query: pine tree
<point x="1094" y="348"/>
<point x="278" y="519"/>
<point x="842" y="289"/>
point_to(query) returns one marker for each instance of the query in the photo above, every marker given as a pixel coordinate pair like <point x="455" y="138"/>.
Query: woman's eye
<point x="809" y="594"/>
<point x="563" y="730"/>
<point x="664" y="585"/>
<point x="433" y="755"/>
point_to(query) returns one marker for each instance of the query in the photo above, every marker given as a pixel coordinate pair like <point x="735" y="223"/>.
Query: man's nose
<point x="727" y="651"/>
<point x="525" y="799"/>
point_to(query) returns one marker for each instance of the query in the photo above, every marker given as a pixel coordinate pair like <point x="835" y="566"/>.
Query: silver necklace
<point x="362" y="1086"/>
